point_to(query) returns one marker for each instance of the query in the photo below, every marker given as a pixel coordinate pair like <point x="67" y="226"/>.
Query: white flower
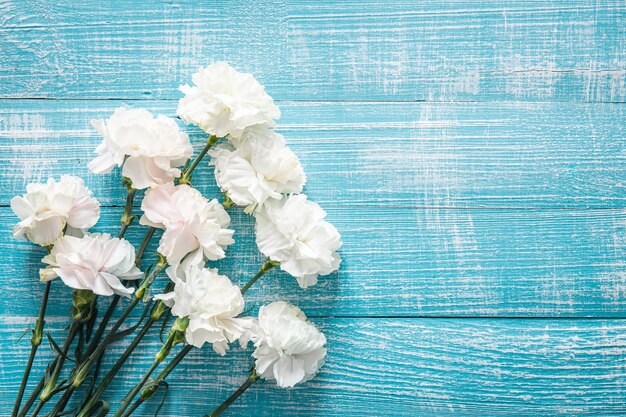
<point x="293" y="231"/>
<point x="95" y="262"/>
<point x="212" y="304"/>
<point x="260" y="167"/>
<point x="289" y="349"/>
<point x="47" y="209"/>
<point x="225" y="102"/>
<point x="149" y="148"/>
<point x="190" y="221"/>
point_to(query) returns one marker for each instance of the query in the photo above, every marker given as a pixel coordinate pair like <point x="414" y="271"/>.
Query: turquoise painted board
<point x="431" y="155"/>
<point x="417" y="262"/>
<point x="472" y="154"/>
<point x="326" y="50"/>
<point x="406" y="367"/>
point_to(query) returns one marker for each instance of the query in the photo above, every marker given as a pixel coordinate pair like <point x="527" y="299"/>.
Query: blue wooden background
<point x="471" y="152"/>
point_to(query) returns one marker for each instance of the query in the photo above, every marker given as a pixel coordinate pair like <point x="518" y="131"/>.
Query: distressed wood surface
<point x="471" y="152"/>
<point x="416" y="262"/>
<point x="407" y="367"/>
<point x="548" y="155"/>
<point x="301" y="50"/>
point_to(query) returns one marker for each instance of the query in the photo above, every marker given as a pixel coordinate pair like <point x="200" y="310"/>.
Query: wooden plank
<point x="351" y="50"/>
<point x="433" y="367"/>
<point x="540" y="155"/>
<point x="413" y="262"/>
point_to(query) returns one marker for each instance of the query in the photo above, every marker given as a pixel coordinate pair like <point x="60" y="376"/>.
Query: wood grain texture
<point x="414" y="262"/>
<point x="548" y="155"/>
<point x="399" y="367"/>
<point x="471" y="152"/>
<point x="348" y="50"/>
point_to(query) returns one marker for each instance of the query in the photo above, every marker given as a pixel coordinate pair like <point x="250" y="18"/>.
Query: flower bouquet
<point x="255" y="170"/>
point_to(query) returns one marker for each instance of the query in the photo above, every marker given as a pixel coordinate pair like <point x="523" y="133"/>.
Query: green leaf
<point x="102" y="408"/>
<point x="167" y="318"/>
<point x="78" y="352"/>
<point x="91" y="324"/>
<point x="243" y="313"/>
<point x="166" y="388"/>
<point x="24" y="334"/>
<point x="57" y="349"/>
<point x="126" y="332"/>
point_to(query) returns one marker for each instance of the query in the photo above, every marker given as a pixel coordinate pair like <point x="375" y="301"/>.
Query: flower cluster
<point x="255" y="169"/>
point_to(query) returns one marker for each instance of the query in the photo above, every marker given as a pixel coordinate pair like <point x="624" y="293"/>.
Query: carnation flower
<point x="149" y="148"/>
<point x="224" y="102"/>
<point x="47" y="209"/>
<point x="293" y="231"/>
<point x="260" y="167"/>
<point x="289" y="349"/>
<point x="191" y="222"/>
<point x="95" y="262"/>
<point x="212" y="304"/>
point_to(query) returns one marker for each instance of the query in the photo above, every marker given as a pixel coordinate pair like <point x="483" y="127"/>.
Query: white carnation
<point x="293" y="231"/>
<point x="259" y="168"/>
<point x="95" y="262"/>
<point x="212" y="304"/>
<point x="223" y="101"/>
<point x="149" y="148"/>
<point x="47" y="209"/>
<point x="191" y="222"/>
<point x="289" y="349"/>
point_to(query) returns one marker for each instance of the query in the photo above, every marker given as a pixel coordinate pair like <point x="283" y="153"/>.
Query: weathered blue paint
<point x="476" y="155"/>
<point x="326" y="50"/>
<point x="484" y="225"/>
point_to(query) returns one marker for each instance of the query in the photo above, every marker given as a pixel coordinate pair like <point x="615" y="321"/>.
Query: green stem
<point x="35" y="341"/>
<point x="144" y="244"/>
<point x="103" y="324"/>
<point x="129" y="397"/>
<point x="116" y="298"/>
<point x="114" y="370"/>
<point x="127" y="215"/>
<point x="126" y="220"/>
<point x="50" y="387"/>
<point x="251" y="380"/>
<point x="37" y="409"/>
<point x="34" y="395"/>
<point x="60" y="405"/>
<point x="135" y="406"/>
<point x="267" y="266"/>
<point x="83" y="370"/>
<point x="185" y="177"/>
<point x="148" y="392"/>
<point x="177" y="335"/>
<point x="156" y="313"/>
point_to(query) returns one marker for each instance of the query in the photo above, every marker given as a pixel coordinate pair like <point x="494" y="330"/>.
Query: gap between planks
<point x="165" y="100"/>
